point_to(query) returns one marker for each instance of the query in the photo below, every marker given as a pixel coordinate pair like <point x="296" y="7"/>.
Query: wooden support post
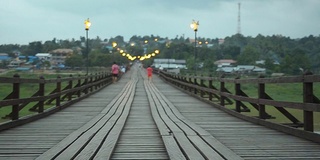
<point x="202" y="85"/>
<point x="85" y="83"/>
<point x="96" y="79"/>
<point x="190" y="81"/>
<point x="79" y="85"/>
<point x="237" y="88"/>
<point x="308" y="98"/>
<point x="70" y="87"/>
<point x="185" y="80"/>
<point x="58" y="91"/>
<point x="15" y="95"/>
<point x="195" y="83"/>
<point x="222" y="98"/>
<point x="262" y="95"/>
<point x="91" y="81"/>
<point x="211" y="87"/>
<point x="41" y="94"/>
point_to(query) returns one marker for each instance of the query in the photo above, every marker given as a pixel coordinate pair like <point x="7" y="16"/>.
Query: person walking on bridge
<point x="149" y="73"/>
<point x="115" y="72"/>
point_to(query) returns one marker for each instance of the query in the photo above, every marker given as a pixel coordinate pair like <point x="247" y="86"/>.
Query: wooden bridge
<point x="138" y="119"/>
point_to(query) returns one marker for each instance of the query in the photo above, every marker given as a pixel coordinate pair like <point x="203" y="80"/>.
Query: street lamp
<point x="194" y="25"/>
<point x="114" y="45"/>
<point x="87" y="24"/>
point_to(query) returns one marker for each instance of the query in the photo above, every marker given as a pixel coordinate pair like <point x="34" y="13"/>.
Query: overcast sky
<point x="24" y="21"/>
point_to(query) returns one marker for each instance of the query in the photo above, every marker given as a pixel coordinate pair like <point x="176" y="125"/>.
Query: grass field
<point x="280" y="92"/>
<point x="26" y="91"/>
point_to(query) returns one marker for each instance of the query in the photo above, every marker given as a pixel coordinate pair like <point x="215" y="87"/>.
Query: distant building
<point x="58" y="56"/>
<point x="242" y="69"/>
<point x="28" y="59"/>
<point x="4" y="57"/>
<point x="221" y="41"/>
<point x="250" y="69"/>
<point x="261" y="62"/>
<point x="44" y="56"/>
<point x="169" y="63"/>
<point x="226" y="69"/>
<point x="15" y="64"/>
<point x="225" y="62"/>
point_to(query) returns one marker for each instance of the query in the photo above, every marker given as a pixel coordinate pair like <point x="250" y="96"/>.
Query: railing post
<point x="211" y="87"/>
<point x="58" y="91"/>
<point x="15" y="95"/>
<point x="190" y="81"/>
<point x="202" y="85"/>
<point x="91" y="82"/>
<point x="238" y="93"/>
<point x="308" y="98"/>
<point x="70" y="87"/>
<point x="79" y="85"/>
<point x="261" y="94"/>
<point x="222" y="98"/>
<point x="184" y="78"/>
<point x="195" y="83"/>
<point x="86" y="85"/>
<point x="96" y="79"/>
<point x="41" y="94"/>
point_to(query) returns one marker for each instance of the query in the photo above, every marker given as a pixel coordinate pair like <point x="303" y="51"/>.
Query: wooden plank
<point x="190" y="124"/>
<point x="172" y="148"/>
<point x="188" y="148"/>
<point x="220" y="148"/>
<point x="162" y="127"/>
<point x="106" y="150"/>
<point x="52" y="152"/>
<point x="167" y="115"/>
<point x="205" y="149"/>
<point x="75" y="143"/>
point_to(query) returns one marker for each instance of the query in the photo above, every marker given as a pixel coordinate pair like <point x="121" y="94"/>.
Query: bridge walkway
<point x="161" y="122"/>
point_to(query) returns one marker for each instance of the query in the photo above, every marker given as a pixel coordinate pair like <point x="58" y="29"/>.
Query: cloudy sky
<point x="24" y="21"/>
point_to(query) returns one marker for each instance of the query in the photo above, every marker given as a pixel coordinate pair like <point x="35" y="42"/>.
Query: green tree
<point x="75" y="60"/>
<point x="248" y="56"/>
<point x="50" y="45"/>
<point x="34" y="48"/>
<point x="295" y="62"/>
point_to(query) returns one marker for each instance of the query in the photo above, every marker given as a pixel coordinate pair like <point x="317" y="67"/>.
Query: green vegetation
<point x="26" y="91"/>
<point x="281" y="54"/>
<point x="280" y="92"/>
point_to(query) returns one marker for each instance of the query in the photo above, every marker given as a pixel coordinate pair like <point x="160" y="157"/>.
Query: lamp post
<point x="194" y="25"/>
<point x="87" y="24"/>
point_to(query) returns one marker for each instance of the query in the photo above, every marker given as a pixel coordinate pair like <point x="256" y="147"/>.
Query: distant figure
<point x="123" y="69"/>
<point x="115" y="72"/>
<point x="149" y="72"/>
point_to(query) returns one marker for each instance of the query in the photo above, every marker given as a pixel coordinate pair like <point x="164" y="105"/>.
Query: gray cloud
<point x="24" y="21"/>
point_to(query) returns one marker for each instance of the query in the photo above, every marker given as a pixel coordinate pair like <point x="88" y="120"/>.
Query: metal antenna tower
<point x="239" y="24"/>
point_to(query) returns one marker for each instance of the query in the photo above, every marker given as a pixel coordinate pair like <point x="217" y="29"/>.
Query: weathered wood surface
<point x="194" y="142"/>
<point x="33" y="139"/>
<point x="97" y="139"/>
<point x="162" y="123"/>
<point x="140" y="138"/>
<point x="247" y="140"/>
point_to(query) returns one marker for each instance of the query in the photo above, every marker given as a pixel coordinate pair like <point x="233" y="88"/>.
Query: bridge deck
<point x="162" y="122"/>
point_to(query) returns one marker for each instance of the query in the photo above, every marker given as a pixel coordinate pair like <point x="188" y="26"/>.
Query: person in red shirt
<point x="149" y="73"/>
<point x="115" y="71"/>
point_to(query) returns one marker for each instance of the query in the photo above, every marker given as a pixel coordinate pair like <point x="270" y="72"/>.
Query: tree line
<point x="280" y="54"/>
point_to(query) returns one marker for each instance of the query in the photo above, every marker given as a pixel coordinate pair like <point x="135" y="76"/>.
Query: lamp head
<point x="194" y="25"/>
<point x="114" y="44"/>
<point x="87" y="24"/>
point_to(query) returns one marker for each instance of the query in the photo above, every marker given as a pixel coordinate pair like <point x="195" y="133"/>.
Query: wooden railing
<point x="75" y="88"/>
<point x="223" y="98"/>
